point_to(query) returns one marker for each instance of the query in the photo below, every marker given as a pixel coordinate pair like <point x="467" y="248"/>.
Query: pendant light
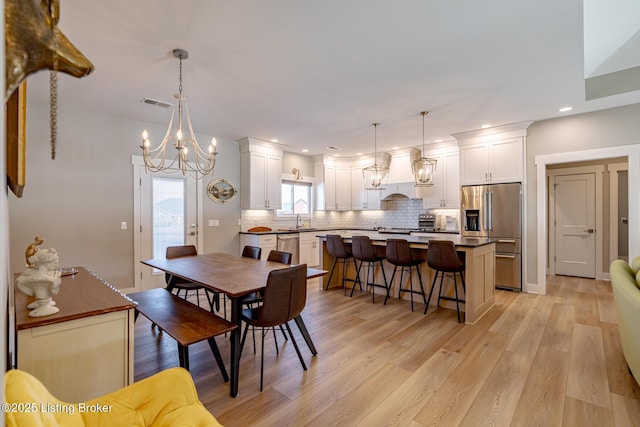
<point x="424" y="168"/>
<point x="376" y="175"/>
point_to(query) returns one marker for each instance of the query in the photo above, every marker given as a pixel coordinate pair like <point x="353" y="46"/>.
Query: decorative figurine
<point x="41" y="280"/>
<point x="32" y="249"/>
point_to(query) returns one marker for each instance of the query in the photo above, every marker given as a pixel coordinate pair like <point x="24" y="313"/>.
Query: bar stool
<point x="442" y="257"/>
<point x="338" y="250"/>
<point x="364" y="251"/>
<point x="399" y="254"/>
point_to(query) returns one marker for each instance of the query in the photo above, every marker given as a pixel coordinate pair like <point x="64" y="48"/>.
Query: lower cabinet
<point x="267" y="242"/>
<point x="309" y="249"/>
<point x="85" y="350"/>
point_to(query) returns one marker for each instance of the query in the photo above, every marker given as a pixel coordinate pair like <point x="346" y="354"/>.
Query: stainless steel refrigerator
<point x="496" y="211"/>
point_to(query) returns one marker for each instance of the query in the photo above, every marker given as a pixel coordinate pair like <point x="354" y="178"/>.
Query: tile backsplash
<point x="399" y="212"/>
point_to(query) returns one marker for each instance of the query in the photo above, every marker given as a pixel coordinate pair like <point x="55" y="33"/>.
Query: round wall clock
<point x="221" y="190"/>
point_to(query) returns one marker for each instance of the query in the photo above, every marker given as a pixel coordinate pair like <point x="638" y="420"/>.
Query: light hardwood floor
<point x="533" y="360"/>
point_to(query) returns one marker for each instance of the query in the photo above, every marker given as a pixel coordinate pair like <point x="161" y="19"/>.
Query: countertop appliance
<point x="427" y="222"/>
<point x="496" y="211"/>
<point x="396" y="230"/>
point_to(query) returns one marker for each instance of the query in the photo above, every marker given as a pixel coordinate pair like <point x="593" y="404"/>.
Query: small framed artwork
<point x="16" y="124"/>
<point x="221" y="190"/>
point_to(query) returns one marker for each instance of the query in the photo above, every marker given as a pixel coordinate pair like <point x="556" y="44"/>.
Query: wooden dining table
<point x="236" y="277"/>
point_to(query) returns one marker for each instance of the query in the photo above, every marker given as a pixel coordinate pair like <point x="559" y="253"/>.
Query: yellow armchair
<point x="168" y="398"/>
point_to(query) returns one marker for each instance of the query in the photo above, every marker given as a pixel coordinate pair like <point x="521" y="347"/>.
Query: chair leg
<point x="395" y="267"/>
<point x="424" y="296"/>
<point x="244" y="337"/>
<point x="333" y="267"/>
<point x="295" y="345"/>
<point x="411" y="287"/>
<point x="455" y="285"/>
<point x="386" y="284"/>
<point x="262" y="360"/>
<point x="400" y="286"/>
<point x="275" y="340"/>
<point x="433" y="285"/>
<point x="284" y="333"/>
<point x="357" y="280"/>
<point x="216" y="353"/>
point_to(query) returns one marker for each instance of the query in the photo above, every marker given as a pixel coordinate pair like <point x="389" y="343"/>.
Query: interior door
<point x="168" y="217"/>
<point x="575" y="225"/>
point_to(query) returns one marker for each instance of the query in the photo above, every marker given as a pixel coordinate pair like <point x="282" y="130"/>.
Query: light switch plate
<point x="214" y="223"/>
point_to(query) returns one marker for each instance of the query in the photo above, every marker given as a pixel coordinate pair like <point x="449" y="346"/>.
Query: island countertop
<point x="459" y="241"/>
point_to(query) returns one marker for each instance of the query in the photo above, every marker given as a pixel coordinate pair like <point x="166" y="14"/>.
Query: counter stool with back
<point x="364" y="251"/>
<point x="341" y="253"/>
<point x="443" y="258"/>
<point x="399" y="255"/>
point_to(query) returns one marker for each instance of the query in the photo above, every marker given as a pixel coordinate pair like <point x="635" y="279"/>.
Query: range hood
<point x="406" y="190"/>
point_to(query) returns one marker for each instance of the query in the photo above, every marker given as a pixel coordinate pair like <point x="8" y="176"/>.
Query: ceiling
<point x="318" y="73"/>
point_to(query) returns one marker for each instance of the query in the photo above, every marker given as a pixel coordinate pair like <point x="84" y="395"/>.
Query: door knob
<point x="589" y="230"/>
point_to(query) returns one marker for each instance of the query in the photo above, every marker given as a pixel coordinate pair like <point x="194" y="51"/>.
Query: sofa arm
<point x="168" y="398"/>
<point x="626" y="296"/>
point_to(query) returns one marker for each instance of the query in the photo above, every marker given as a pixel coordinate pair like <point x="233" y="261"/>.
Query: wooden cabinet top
<point x="81" y="295"/>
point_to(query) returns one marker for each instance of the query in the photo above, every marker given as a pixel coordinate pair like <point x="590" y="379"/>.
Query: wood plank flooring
<point x="533" y="360"/>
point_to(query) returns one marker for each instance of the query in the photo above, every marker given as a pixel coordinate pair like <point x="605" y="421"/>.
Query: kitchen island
<point x="478" y="255"/>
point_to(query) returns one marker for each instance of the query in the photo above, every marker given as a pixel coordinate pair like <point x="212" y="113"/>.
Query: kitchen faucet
<point x="298" y="222"/>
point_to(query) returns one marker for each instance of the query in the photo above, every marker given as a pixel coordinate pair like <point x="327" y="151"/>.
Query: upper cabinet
<point x="492" y="156"/>
<point x="333" y="184"/>
<point x="445" y="191"/>
<point x="260" y="175"/>
<point x="361" y="199"/>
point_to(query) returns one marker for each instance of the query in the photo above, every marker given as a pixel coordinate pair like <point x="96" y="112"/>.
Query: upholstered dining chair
<point x="285" y="296"/>
<point x="179" y="284"/>
<point x="254" y="252"/>
<point x="257" y="297"/>
<point x="399" y="255"/>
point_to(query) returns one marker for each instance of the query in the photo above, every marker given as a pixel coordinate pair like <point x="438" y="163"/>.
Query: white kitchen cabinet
<point x="361" y="199"/>
<point x="260" y="175"/>
<point x="333" y="184"/>
<point x="309" y="249"/>
<point x="445" y="192"/>
<point x="267" y="242"/>
<point x="492" y="162"/>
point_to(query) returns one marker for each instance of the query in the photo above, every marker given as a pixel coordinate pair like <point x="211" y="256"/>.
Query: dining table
<point x="236" y="277"/>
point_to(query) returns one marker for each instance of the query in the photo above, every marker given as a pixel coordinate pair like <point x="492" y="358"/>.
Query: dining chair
<point x="254" y="252"/>
<point x="443" y="258"/>
<point x="179" y="284"/>
<point x="285" y="296"/>
<point x="257" y="297"/>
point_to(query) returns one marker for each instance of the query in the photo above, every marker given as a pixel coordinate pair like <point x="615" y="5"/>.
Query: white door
<point x="167" y="211"/>
<point x="575" y="225"/>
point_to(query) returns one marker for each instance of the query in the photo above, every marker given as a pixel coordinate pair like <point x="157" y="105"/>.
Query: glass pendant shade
<point x="375" y="176"/>
<point x="424" y="168"/>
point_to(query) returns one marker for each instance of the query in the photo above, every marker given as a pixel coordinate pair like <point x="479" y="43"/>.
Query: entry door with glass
<point x="168" y="217"/>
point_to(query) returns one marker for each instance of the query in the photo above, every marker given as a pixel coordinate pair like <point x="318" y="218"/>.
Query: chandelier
<point x="189" y="157"/>
<point x="376" y="175"/>
<point x="424" y="168"/>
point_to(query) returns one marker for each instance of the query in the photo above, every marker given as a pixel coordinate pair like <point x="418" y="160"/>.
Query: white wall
<point x="573" y="134"/>
<point x="77" y="201"/>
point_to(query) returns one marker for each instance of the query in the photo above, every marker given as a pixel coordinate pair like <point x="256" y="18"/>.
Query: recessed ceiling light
<point x="486" y="126"/>
<point x="359" y="154"/>
<point x="395" y="148"/>
<point x="439" y="140"/>
<point x="273" y="140"/>
<point x="305" y="150"/>
<point x="565" y="109"/>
